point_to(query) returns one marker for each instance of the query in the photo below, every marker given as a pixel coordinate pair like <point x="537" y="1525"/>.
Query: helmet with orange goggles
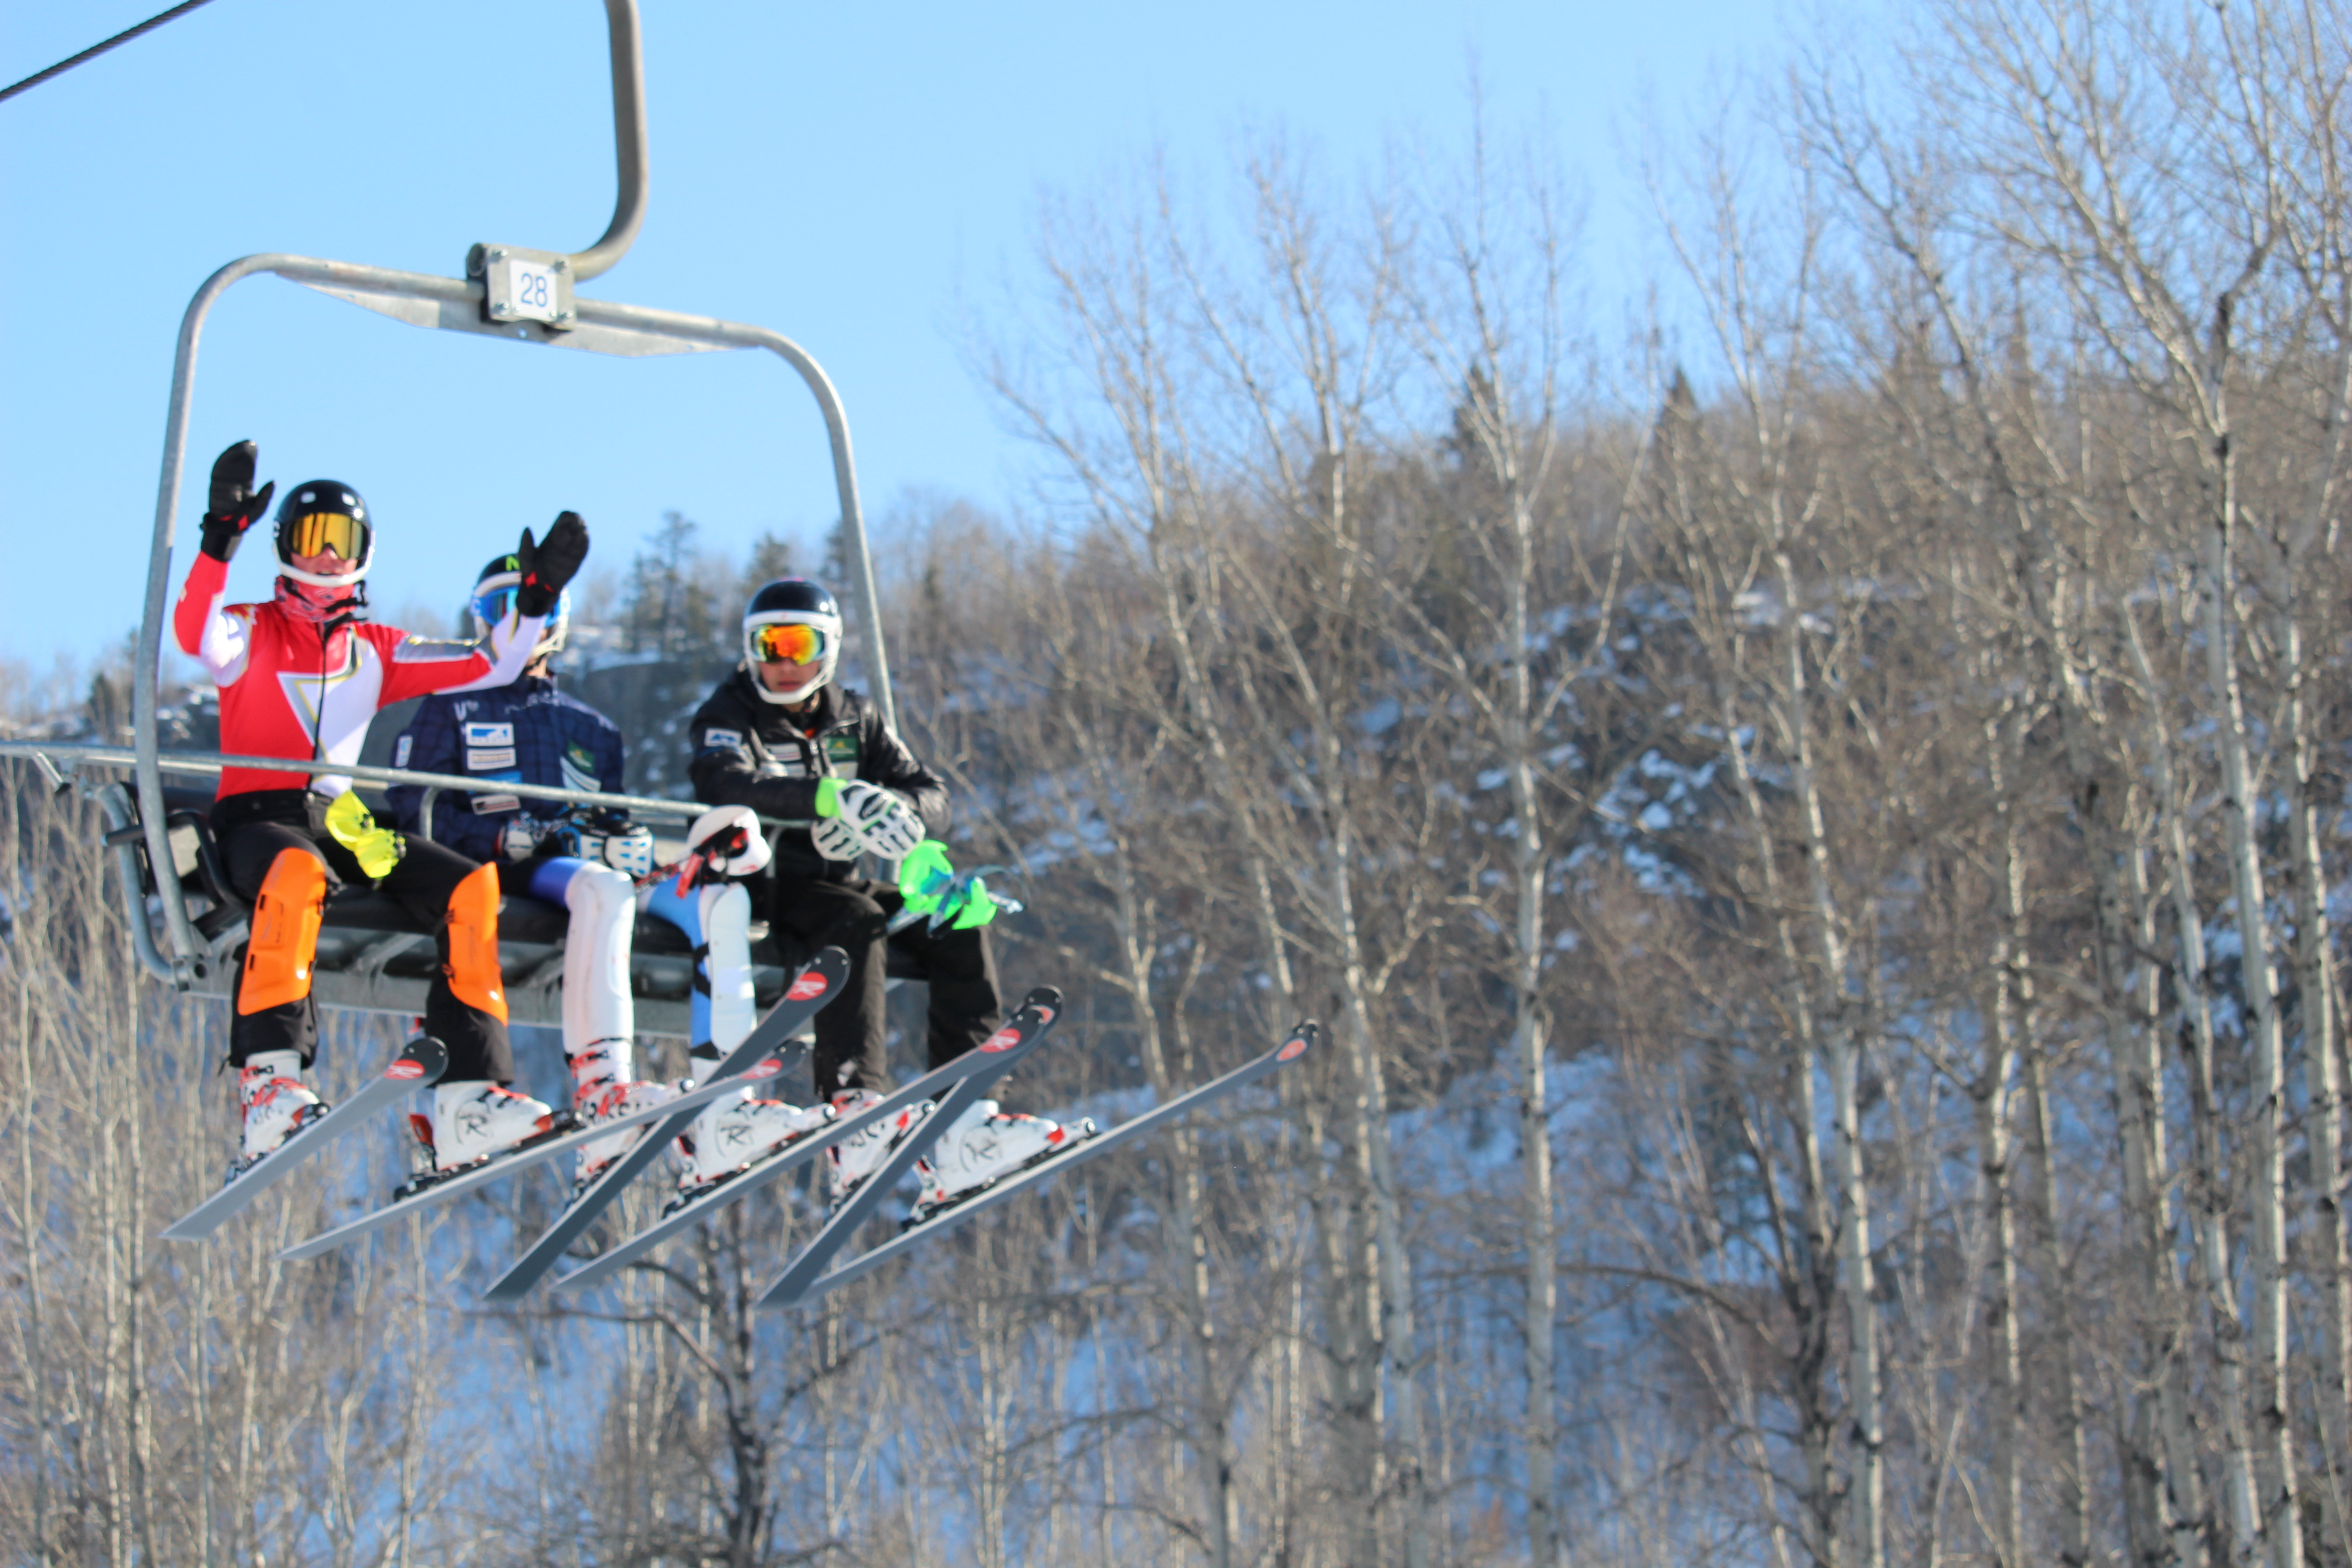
<point x="322" y="517"/>
<point x="792" y="621"/>
<point x="790" y="642"/>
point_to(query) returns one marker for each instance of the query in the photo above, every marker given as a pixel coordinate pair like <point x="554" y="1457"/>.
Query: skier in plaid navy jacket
<point x="590" y="861"/>
<point x="527" y="733"/>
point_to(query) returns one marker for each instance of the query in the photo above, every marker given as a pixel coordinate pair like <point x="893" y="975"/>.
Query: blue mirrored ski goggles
<point x="495" y="605"/>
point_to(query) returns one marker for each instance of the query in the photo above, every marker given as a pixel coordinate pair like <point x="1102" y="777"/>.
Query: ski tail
<point x="419" y="1065"/>
<point x="1300" y="1040"/>
<point x="814" y="989"/>
<point x="1024" y="1033"/>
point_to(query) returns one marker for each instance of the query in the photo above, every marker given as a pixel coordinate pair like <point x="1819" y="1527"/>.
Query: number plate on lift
<point x="527" y="286"/>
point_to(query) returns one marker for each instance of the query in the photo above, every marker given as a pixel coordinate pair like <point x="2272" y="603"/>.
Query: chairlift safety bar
<point x="214" y="762"/>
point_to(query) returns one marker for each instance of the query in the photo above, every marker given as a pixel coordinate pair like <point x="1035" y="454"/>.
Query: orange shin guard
<point x="285" y="933"/>
<point x="474" y="975"/>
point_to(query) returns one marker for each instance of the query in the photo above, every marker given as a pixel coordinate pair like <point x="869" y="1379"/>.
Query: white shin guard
<point x="726" y="912"/>
<point x="597" y="1005"/>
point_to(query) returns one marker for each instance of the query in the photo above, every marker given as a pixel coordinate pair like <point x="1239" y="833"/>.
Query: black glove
<point x="548" y="565"/>
<point x="234" y="503"/>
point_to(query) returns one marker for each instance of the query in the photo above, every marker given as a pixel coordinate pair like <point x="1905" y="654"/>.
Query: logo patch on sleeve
<point x="400" y="751"/>
<point x="579" y="768"/>
<point x="721" y="740"/>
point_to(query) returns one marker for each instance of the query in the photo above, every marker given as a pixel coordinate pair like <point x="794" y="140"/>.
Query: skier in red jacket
<point x="301" y="676"/>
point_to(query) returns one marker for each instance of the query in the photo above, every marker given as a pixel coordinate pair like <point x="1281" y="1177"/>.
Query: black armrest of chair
<point x="210" y="870"/>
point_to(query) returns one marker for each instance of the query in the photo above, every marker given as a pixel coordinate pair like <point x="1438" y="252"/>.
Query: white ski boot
<point x="275" y="1103"/>
<point x="849" y="1161"/>
<point x="982" y="1146"/>
<point x="736" y="1130"/>
<point x="472" y="1122"/>
<point x="602" y="1088"/>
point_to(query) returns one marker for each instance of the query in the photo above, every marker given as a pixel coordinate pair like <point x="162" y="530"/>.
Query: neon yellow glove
<point x="828" y="797"/>
<point x="351" y="825"/>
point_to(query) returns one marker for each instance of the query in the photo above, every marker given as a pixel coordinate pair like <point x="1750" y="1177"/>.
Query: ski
<point x="1301" y="1040"/>
<point x="843" y="1223"/>
<point x="421" y="1063"/>
<point x="1020" y="1035"/>
<point x="546" y="1146"/>
<point x="812" y="989"/>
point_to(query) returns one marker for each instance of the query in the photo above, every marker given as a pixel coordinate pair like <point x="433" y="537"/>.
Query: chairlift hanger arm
<point x="629" y="151"/>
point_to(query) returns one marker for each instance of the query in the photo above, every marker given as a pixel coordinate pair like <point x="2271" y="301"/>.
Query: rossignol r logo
<point x="403" y="1068"/>
<point x="806" y="987"/>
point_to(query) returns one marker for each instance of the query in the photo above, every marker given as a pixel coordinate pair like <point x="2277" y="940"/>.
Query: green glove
<point x="977" y="907"/>
<point x="928" y="885"/>
<point x="828" y="797"/>
<point x="923" y="876"/>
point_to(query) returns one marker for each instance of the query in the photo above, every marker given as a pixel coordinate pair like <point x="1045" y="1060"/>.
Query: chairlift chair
<point x="187" y="925"/>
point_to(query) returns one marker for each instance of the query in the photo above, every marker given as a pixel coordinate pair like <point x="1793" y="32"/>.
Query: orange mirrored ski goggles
<point x="321" y="530"/>
<point x="788" y="642"/>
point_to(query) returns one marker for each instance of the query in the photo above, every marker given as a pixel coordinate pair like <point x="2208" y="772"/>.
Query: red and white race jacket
<point x="289" y="690"/>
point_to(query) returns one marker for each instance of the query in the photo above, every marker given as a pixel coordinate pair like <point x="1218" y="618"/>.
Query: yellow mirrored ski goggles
<point x="318" y="532"/>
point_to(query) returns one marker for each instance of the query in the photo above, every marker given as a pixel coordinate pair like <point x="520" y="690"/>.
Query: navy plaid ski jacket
<point x="527" y="733"/>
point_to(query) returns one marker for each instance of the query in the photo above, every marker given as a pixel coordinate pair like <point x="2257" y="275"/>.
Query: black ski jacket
<point x="750" y="752"/>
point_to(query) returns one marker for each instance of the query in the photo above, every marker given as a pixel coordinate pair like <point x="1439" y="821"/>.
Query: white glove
<point x="729" y="837"/>
<point x="838" y="837"/>
<point x="630" y="851"/>
<point x="886" y="825"/>
<point x="519" y="839"/>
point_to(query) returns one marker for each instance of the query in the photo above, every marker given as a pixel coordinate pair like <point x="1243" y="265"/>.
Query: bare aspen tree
<point x="1762" y="343"/>
<point x="1991" y="1094"/>
<point x="2209" y="1219"/>
<point x="1491" y="302"/>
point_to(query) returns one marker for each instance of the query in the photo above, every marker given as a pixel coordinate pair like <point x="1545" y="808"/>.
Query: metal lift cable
<point x="91" y="53"/>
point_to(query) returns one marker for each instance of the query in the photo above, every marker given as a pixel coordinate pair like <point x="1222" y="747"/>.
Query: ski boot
<point x="473" y="1121"/>
<point x="849" y="1161"/>
<point x="981" y="1147"/>
<point x="602" y="1088"/>
<point x="275" y="1104"/>
<point x="736" y="1132"/>
<point x="612" y="1100"/>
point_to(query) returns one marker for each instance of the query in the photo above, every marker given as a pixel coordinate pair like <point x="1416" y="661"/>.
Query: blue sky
<point x="854" y="176"/>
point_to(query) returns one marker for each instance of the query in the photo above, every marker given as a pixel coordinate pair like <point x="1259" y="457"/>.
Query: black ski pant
<point x="854" y="916"/>
<point x="254" y="828"/>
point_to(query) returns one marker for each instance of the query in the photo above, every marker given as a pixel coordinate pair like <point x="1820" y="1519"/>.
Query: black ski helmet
<point x="793" y="601"/>
<point x="329" y="512"/>
<point x="493" y="602"/>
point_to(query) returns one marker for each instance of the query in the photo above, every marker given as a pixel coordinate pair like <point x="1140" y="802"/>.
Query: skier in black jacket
<point x="781" y="736"/>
